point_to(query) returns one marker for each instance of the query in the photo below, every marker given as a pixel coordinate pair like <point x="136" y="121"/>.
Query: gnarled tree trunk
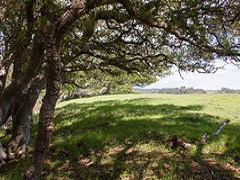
<point x="46" y="117"/>
<point x="9" y="94"/>
<point x="22" y="118"/>
<point x="78" y="9"/>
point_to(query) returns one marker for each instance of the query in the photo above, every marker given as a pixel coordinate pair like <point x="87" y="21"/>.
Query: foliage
<point x="146" y="37"/>
<point x="151" y="37"/>
<point x="98" y="82"/>
<point x="143" y="36"/>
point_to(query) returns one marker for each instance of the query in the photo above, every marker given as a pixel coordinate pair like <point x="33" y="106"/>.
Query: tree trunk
<point x="108" y="91"/>
<point x="46" y="116"/>
<point x="9" y="94"/>
<point x="22" y="118"/>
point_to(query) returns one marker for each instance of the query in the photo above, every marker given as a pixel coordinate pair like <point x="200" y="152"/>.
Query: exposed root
<point x="3" y="155"/>
<point x="16" y="148"/>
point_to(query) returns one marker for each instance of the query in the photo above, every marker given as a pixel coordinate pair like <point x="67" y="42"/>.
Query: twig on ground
<point x="205" y="137"/>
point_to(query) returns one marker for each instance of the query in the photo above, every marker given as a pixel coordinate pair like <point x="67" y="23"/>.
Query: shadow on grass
<point x="129" y="140"/>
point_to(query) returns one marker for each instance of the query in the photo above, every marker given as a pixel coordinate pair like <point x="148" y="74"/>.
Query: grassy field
<point x="129" y="137"/>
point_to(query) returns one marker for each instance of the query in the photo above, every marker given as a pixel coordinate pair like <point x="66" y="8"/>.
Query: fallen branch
<point x="220" y="127"/>
<point x="205" y="137"/>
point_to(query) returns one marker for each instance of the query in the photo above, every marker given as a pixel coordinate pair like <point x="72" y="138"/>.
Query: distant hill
<point x="185" y="90"/>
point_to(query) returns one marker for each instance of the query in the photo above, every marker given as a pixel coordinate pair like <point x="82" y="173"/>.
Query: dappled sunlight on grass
<point x="128" y="137"/>
<point x="216" y="146"/>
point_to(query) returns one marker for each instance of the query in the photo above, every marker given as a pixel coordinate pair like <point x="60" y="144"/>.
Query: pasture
<point x="129" y="137"/>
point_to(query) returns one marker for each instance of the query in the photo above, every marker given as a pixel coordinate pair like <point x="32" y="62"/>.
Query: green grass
<point x="127" y="137"/>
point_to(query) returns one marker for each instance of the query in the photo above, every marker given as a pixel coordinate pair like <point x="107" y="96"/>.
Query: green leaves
<point x="129" y="37"/>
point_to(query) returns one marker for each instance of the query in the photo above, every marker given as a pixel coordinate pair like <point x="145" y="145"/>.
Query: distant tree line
<point x="185" y="90"/>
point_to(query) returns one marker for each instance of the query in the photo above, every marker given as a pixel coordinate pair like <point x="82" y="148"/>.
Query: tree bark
<point x="46" y="116"/>
<point x="21" y="82"/>
<point x="22" y="118"/>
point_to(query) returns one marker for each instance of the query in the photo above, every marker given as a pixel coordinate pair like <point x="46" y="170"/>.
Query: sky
<point x="229" y="77"/>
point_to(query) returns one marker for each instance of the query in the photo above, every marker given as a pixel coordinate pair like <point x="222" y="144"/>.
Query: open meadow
<point x="132" y="136"/>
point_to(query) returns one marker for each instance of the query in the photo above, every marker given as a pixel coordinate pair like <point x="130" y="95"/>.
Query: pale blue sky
<point x="229" y="77"/>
